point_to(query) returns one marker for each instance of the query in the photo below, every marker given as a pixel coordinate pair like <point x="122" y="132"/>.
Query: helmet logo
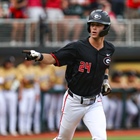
<point x="96" y="16"/>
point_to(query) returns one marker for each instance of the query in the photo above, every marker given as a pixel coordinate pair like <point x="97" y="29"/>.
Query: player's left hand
<point x="106" y="89"/>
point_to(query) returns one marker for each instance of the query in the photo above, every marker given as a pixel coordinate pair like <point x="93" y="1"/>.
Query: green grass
<point x="112" y="138"/>
<point x="123" y="138"/>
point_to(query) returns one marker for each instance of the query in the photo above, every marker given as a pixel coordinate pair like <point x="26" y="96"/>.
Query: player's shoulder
<point x="109" y="45"/>
<point x="78" y="44"/>
<point x="74" y="43"/>
<point x="83" y="41"/>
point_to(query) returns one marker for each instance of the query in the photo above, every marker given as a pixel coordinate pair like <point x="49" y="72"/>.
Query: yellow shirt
<point x="10" y="75"/>
<point x="45" y="76"/>
<point x="60" y="75"/>
<point x="27" y="74"/>
<point x="1" y="78"/>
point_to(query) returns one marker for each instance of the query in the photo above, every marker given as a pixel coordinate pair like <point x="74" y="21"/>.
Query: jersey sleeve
<point x="65" y="55"/>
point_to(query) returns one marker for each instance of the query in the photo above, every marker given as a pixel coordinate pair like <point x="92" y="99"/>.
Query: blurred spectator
<point x="118" y="6"/>
<point x="4" y="9"/>
<point x="3" y="118"/>
<point x="54" y="112"/>
<point x="10" y="87"/>
<point x="17" y="11"/>
<point x="27" y="96"/>
<point x="133" y="80"/>
<point x="136" y="96"/>
<point x="55" y="17"/>
<point x="132" y="10"/>
<point x="1" y="11"/>
<point x="122" y="89"/>
<point x="133" y="83"/>
<point x="118" y="84"/>
<point x="118" y="28"/>
<point x="37" y="110"/>
<point x="89" y="6"/>
<point x="73" y="11"/>
<point x="46" y="77"/>
<point x="110" y="108"/>
<point x="36" y="12"/>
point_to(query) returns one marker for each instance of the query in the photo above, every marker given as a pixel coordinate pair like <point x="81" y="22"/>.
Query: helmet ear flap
<point x="105" y="31"/>
<point x="88" y="27"/>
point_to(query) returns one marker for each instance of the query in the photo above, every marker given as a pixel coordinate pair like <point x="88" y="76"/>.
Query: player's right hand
<point x="32" y="55"/>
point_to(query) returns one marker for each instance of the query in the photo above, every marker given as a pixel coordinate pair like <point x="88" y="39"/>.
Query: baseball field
<point x="82" y="135"/>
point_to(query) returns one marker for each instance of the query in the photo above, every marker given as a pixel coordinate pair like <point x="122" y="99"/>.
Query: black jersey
<point x="85" y="65"/>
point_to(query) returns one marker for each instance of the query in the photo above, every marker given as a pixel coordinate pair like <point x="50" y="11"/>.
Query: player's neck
<point x="97" y="43"/>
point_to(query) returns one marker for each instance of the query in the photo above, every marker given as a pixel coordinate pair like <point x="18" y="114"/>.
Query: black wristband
<point x="106" y="76"/>
<point x="41" y="58"/>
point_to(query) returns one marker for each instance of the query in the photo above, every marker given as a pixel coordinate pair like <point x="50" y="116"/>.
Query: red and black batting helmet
<point x="99" y="16"/>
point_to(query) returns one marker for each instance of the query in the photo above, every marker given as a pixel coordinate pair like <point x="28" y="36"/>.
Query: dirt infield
<point x="124" y="133"/>
<point x="77" y="134"/>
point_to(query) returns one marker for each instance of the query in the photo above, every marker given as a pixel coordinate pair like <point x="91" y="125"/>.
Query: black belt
<point x="82" y="98"/>
<point x="71" y="94"/>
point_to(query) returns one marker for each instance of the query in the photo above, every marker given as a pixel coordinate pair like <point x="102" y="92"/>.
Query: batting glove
<point x="32" y="55"/>
<point x="106" y="89"/>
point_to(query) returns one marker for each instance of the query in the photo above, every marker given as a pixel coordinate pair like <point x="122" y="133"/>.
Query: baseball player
<point x="46" y="77"/>
<point x="3" y="119"/>
<point x="57" y="96"/>
<point x="27" y="96"/>
<point x="87" y="72"/>
<point x="10" y="93"/>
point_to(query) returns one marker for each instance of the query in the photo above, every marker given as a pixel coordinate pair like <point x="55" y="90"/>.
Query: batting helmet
<point x="99" y="16"/>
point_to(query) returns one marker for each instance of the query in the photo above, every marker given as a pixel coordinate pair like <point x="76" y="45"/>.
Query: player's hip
<point x="83" y="100"/>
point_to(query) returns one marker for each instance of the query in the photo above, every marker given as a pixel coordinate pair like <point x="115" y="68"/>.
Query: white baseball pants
<point x="73" y="111"/>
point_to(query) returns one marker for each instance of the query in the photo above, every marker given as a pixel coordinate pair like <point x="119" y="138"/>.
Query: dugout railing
<point x="52" y="34"/>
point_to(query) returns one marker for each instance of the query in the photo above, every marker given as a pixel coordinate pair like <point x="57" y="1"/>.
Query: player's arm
<point x="48" y="59"/>
<point x="107" y="71"/>
<point x="37" y="56"/>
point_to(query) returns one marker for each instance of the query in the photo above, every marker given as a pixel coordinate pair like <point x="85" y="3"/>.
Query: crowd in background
<point x="31" y="96"/>
<point x="68" y="13"/>
<point x="121" y="8"/>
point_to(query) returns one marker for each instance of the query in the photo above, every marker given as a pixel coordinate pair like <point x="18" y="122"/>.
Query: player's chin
<point x="94" y="35"/>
